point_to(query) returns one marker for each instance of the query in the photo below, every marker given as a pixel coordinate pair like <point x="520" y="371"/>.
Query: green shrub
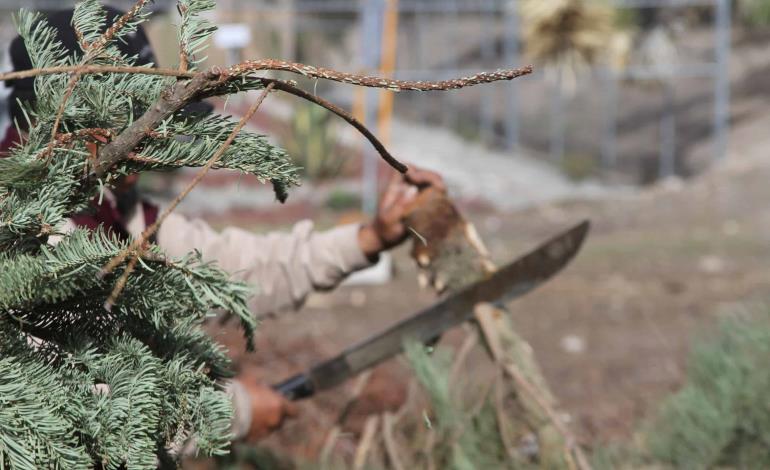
<point x="722" y="414"/>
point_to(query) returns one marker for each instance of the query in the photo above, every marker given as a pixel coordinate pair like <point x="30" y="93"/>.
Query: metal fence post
<point x="371" y="15"/>
<point x="558" y="121"/>
<point x="722" y="81"/>
<point x="511" y="53"/>
<point x="488" y="23"/>
<point x="667" y="163"/>
<point x="609" y="152"/>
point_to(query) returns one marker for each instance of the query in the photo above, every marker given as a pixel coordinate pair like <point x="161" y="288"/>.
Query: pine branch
<point x="171" y="101"/>
<point x="180" y="95"/>
<point x="250" y="153"/>
<point x="202" y="84"/>
<point x="97" y="117"/>
<point x="92" y="51"/>
<point x="150" y="231"/>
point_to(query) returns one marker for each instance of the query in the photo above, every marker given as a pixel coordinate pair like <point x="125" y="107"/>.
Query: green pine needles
<point x="103" y="363"/>
<point x="81" y="386"/>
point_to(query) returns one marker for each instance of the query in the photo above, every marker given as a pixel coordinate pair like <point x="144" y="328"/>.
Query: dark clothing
<point x="112" y="217"/>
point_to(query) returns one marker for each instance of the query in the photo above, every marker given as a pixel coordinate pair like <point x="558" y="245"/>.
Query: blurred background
<point x="649" y="117"/>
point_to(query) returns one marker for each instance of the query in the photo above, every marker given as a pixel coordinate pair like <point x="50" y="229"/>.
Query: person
<point x="286" y="267"/>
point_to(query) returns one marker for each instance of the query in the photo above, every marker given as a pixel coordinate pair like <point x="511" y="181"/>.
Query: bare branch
<point x="248" y="68"/>
<point x="375" y="82"/>
<point x="121" y="284"/>
<point x="384" y="153"/>
<point x="95" y="69"/>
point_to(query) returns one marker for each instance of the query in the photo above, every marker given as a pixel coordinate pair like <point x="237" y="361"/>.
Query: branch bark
<point x="250" y="67"/>
<point x="171" y="101"/>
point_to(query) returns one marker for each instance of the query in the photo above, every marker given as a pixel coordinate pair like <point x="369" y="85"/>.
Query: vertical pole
<point x="372" y="12"/>
<point x="558" y="121"/>
<point x="511" y="53"/>
<point x="289" y="31"/>
<point x="422" y="34"/>
<point x="487" y="23"/>
<point x="722" y="79"/>
<point x="387" y="67"/>
<point x="667" y="165"/>
<point x="609" y="141"/>
<point x="449" y="106"/>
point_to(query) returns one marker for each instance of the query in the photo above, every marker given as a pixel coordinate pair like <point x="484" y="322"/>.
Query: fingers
<point x="405" y="197"/>
<point x="290" y="409"/>
<point x="269" y="410"/>
<point x="424" y="178"/>
<point x="395" y="186"/>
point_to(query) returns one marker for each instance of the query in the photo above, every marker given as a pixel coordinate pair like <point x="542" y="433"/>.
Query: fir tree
<point x="102" y="359"/>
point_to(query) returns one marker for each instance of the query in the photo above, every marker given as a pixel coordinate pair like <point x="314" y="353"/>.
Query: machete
<point x="507" y="283"/>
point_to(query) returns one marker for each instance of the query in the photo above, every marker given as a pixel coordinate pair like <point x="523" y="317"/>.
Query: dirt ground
<point x="611" y="333"/>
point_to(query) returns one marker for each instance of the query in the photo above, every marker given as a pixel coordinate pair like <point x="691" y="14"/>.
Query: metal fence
<point x="447" y="38"/>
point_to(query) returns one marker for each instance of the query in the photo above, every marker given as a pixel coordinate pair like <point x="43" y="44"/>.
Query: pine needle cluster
<point x="82" y="386"/>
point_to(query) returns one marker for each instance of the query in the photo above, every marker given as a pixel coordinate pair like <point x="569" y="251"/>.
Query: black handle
<point x="296" y="388"/>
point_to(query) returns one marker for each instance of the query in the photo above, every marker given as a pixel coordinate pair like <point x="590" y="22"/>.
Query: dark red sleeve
<point x="11" y="138"/>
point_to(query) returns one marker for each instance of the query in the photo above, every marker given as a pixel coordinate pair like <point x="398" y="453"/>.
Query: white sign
<point x="232" y="36"/>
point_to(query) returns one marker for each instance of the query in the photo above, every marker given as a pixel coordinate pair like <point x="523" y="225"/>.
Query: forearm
<point x="283" y="267"/>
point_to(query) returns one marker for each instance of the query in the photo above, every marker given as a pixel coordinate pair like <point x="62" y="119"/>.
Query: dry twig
<point x="60" y="112"/>
<point x="391" y="449"/>
<point x="121" y="284"/>
<point x="250" y="67"/>
<point x="485" y="314"/>
<point x="310" y="71"/>
<point x="502" y="422"/>
<point x="367" y="439"/>
<point x="293" y="90"/>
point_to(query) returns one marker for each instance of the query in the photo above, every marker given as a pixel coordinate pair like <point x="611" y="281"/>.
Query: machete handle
<point x="296" y="388"/>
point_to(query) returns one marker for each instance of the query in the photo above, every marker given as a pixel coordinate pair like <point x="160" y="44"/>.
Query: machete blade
<point x="506" y="284"/>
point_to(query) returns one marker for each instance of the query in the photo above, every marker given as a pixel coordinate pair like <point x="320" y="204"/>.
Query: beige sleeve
<point x="283" y="267"/>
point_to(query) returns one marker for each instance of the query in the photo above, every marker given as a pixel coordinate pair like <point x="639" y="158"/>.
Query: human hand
<point x="269" y="409"/>
<point x="387" y="229"/>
